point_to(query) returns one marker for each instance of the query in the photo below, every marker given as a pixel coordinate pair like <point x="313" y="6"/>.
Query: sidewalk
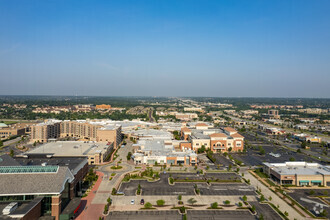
<point x="88" y="210"/>
<point x="276" y="200"/>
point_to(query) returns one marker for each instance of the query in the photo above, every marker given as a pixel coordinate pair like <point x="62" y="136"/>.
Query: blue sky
<point x="274" y="48"/>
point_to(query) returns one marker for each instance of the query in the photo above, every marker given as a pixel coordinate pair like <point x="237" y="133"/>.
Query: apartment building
<point x="103" y="107"/>
<point x="274" y="114"/>
<point x="100" y="131"/>
<point x="49" y="129"/>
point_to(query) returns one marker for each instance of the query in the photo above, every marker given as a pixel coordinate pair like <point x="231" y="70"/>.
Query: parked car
<point x="142" y="202"/>
<point x="132" y="202"/>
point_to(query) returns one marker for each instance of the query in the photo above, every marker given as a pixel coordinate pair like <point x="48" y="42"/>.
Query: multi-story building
<point x="273" y="113"/>
<point x="217" y="140"/>
<point x="50" y="129"/>
<point x="100" y="131"/>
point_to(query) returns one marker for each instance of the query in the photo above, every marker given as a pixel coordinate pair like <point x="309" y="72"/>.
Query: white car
<point x="132" y="202"/>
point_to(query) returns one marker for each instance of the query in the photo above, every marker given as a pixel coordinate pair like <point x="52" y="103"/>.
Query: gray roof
<point x="34" y="183"/>
<point x="6" y="160"/>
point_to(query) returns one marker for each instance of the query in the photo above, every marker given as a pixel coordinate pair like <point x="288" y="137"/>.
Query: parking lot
<point x="219" y="214"/>
<point x="231" y="189"/>
<point x="312" y="203"/>
<point x="266" y="211"/>
<point x="253" y="157"/>
<point x="162" y="187"/>
<point x="145" y="215"/>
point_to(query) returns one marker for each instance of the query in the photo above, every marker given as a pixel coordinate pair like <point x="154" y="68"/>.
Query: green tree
<point x="12" y="153"/>
<point x="286" y="213"/>
<point x="262" y="198"/>
<point x="1" y="143"/>
<point x="303" y="145"/>
<point x="160" y="202"/>
<point x="270" y="198"/>
<point x="230" y="149"/>
<point x="114" y="191"/>
<point x="106" y="208"/>
<point x="240" y="204"/>
<point x="292" y="159"/>
<point x="244" y="198"/>
<point x="192" y="201"/>
<point x="179" y="197"/>
<point x="253" y="208"/>
<point x="129" y="155"/>
<point x="227" y="202"/>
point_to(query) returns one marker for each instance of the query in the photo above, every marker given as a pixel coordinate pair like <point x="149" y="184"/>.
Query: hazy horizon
<point x="261" y="49"/>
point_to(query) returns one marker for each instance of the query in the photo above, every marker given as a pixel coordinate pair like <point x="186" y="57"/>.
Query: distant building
<point x="186" y="116"/>
<point x="274" y="114"/>
<point x="298" y="173"/>
<point x="103" y="107"/>
<point x="193" y="109"/>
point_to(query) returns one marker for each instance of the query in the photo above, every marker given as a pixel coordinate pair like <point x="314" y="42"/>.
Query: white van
<point x="10" y="208"/>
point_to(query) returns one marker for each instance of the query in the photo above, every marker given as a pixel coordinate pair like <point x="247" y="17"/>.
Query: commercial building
<point x="18" y="129"/>
<point x="298" y="173"/>
<point x="96" y="153"/>
<point x="217" y="140"/>
<point x="162" y="152"/>
<point x="149" y="134"/>
<point x="43" y="189"/>
<point x="307" y="138"/>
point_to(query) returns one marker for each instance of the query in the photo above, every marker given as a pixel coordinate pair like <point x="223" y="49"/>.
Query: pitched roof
<point x="218" y="135"/>
<point x="185" y="129"/>
<point x="237" y="135"/>
<point x="34" y="183"/>
<point x="230" y="129"/>
<point x="201" y="125"/>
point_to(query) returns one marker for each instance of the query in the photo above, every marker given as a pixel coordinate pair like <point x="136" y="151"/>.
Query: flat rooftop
<point x="159" y="148"/>
<point x="70" y="148"/>
<point x="299" y="168"/>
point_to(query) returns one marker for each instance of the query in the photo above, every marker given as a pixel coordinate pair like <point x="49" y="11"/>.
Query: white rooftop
<point x="299" y="168"/>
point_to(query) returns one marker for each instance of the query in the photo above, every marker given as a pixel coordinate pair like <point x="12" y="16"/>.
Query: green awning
<point x="316" y="181"/>
<point x="304" y="181"/>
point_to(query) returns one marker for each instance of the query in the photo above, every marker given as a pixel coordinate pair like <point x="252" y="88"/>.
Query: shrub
<point x="171" y="180"/>
<point x="114" y="191"/>
<point x="227" y="202"/>
<point x="214" y="205"/>
<point x="179" y="197"/>
<point x="240" y="204"/>
<point x="148" y="205"/>
<point x="244" y="198"/>
<point x="106" y="208"/>
<point x="160" y="202"/>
